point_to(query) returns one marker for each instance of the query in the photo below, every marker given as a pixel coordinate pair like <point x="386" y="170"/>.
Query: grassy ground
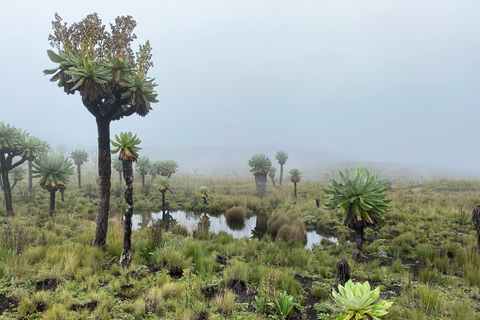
<point x="424" y="257"/>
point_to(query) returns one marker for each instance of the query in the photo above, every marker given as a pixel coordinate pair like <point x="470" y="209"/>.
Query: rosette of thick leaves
<point x="259" y="164"/>
<point x="359" y="193"/>
<point x="356" y="301"/>
<point x="127" y="144"/>
<point x="54" y="171"/>
<point x="204" y="191"/>
<point x="140" y="93"/>
<point x="163" y="183"/>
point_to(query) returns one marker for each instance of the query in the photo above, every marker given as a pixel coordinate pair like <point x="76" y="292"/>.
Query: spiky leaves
<point x="360" y="194"/>
<point x="79" y="156"/>
<point x="127" y="144"/>
<point x="271" y="172"/>
<point x="167" y="167"/>
<point x="295" y="175"/>
<point x="163" y="183"/>
<point x="259" y="164"/>
<point x="281" y="157"/>
<point x="32" y="147"/>
<point x="110" y="77"/>
<point x="143" y="165"/>
<point x="356" y="301"/>
<point x="204" y="191"/>
<point x="54" y="171"/>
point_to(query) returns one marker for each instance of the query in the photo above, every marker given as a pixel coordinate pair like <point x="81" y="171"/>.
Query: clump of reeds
<point x="275" y="222"/>
<point x="235" y="214"/>
<point x="293" y="232"/>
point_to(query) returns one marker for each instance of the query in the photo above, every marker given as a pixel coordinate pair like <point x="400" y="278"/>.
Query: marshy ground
<point x="423" y="257"/>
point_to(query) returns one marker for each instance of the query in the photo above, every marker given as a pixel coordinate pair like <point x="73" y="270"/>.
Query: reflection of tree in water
<point x="204" y="223"/>
<point x="260" y="226"/>
<point x="146" y="218"/>
<point x="167" y="220"/>
<point x="236" y="225"/>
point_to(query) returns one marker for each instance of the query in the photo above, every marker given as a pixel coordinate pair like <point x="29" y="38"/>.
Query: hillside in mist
<point x="232" y="161"/>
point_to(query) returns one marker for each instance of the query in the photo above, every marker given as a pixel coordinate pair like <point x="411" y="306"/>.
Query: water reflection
<point x="255" y="226"/>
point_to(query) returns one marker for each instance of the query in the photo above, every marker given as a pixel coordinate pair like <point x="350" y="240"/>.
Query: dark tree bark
<point x="163" y="198"/>
<point x="126" y="256"/>
<point x="104" y="172"/>
<point x="357" y="250"/>
<point x="317" y="202"/>
<point x="52" y="202"/>
<point x="295" y="189"/>
<point x="30" y="177"/>
<point x="273" y="181"/>
<point x="7" y="193"/>
<point x="281" y="174"/>
<point x="143" y="180"/>
<point x="476" y="223"/>
<point x="261" y="184"/>
<point x="14" y="184"/>
<point x="120" y="176"/>
<point x="343" y="271"/>
<point x="79" y="174"/>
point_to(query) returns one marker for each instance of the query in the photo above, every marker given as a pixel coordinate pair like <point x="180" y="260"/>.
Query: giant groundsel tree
<point x="295" y="177"/>
<point x="127" y="144"/>
<point x="282" y="158"/>
<point x="260" y="166"/>
<point x="111" y="80"/>
<point x="54" y="171"/>
<point x="79" y="156"/>
<point x="362" y="198"/>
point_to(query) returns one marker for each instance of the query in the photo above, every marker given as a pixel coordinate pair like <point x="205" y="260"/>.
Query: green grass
<point x="430" y="270"/>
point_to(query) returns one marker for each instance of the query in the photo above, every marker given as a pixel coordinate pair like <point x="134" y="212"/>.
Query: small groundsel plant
<point x="356" y="301"/>
<point x="283" y="306"/>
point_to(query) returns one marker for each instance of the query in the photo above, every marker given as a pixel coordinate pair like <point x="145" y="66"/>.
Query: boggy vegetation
<point x="423" y="256"/>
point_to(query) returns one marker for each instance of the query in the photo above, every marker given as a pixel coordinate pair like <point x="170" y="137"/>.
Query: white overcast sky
<point x="388" y="81"/>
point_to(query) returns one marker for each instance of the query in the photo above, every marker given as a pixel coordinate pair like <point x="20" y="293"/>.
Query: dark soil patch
<point x="176" y="273"/>
<point x="46" y="284"/>
<point x="222" y="260"/>
<point x="201" y="316"/>
<point x="309" y="310"/>
<point x="305" y="282"/>
<point x="415" y="267"/>
<point x="210" y="291"/>
<point x="6" y="303"/>
<point x="237" y="286"/>
<point x="92" y="305"/>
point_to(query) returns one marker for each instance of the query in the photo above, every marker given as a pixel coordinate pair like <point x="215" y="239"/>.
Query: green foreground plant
<point x="356" y="301"/>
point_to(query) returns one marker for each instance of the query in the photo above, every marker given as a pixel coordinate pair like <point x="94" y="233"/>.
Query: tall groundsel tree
<point x="143" y="166"/>
<point x="282" y="158"/>
<point x="295" y="177"/>
<point x="54" y="171"/>
<point x="163" y="186"/>
<point x="260" y="165"/>
<point x="363" y="200"/>
<point x="32" y="148"/>
<point x="127" y="144"/>
<point x="112" y="82"/>
<point x="79" y="156"/>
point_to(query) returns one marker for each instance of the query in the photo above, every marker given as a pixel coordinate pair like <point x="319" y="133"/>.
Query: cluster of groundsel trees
<point x="111" y="79"/>
<point x="16" y="147"/>
<point x="261" y="166"/>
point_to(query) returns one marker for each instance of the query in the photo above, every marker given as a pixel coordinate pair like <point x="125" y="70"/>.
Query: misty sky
<point x="393" y="81"/>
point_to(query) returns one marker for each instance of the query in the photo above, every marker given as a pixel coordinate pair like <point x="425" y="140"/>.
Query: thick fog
<point x="384" y="81"/>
